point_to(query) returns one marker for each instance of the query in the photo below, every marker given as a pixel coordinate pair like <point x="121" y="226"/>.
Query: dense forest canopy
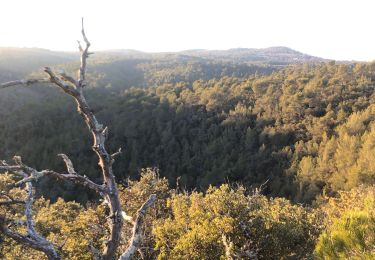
<point x="249" y="128"/>
<point x="301" y="127"/>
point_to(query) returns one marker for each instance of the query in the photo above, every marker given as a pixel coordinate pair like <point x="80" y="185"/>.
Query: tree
<point x="350" y="237"/>
<point x="350" y="225"/>
<point x="226" y="222"/>
<point x="108" y="190"/>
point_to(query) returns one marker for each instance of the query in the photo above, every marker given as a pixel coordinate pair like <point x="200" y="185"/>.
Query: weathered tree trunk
<point x="108" y="190"/>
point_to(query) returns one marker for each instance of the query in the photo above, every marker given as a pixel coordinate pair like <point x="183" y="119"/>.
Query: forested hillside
<point x="248" y="129"/>
<point x="300" y="127"/>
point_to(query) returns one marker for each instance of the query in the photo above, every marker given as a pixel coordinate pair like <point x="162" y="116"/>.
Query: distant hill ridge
<point x="22" y="61"/>
<point x="272" y="55"/>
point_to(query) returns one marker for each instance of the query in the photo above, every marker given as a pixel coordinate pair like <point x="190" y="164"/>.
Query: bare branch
<point x="68" y="163"/>
<point x="105" y="132"/>
<point x="84" y="37"/>
<point x="136" y="239"/>
<point x="29" y="213"/>
<point x="17" y="169"/>
<point x="54" y="79"/>
<point x="78" y="179"/>
<point x="127" y="218"/>
<point x="105" y="160"/>
<point x="25" y="82"/>
<point x="16" y="222"/>
<point x="84" y="55"/>
<point x="113" y="156"/>
<point x="35" y="175"/>
<point x="28" y="241"/>
<point x="108" y="190"/>
<point x="10" y="200"/>
<point x="32" y="238"/>
<point x="3" y="194"/>
<point x="68" y="78"/>
<point x="228" y="248"/>
<point x="80" y="46"/>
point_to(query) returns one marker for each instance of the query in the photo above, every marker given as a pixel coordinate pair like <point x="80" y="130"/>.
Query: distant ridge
<point x="277" y="55"/>
<point x="272" y="55"/>
<point x="22" y="61"/>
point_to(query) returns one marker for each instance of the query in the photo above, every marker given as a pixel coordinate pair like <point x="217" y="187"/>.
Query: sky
<point x="341" y="30"/>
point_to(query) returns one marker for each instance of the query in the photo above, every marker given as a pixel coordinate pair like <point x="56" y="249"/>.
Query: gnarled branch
<point x="71" y="90"/>
<point x="35" y="175"/>
<point x="10" y="200"/>
<point x="137" y="229"/>
<point x="68" y="163"/>
<point x="108" y="190"/>
<point x="25" y="82"/>
<point x="32" y="238"/>
<point x="67" y="78"/>
<point x="84" y="55"/>
<point x="47" y="248"/>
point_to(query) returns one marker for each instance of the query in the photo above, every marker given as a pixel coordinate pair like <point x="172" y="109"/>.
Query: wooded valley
<point x="252" y="154"/>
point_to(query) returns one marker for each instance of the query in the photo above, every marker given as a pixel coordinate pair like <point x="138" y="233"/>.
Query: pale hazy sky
<point x="327" y="28"/>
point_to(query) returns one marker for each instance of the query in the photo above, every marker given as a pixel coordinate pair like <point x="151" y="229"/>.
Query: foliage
<point x="350" y="237"/>
<point x="351" y="226"/>
<point x="308" y="129"/>
<point x="134" y="195"/>
<point x="269" y="228"/>
<point x="68" y="225"/>
<point x="305" y="129"/>
<point x="73" y="227"/>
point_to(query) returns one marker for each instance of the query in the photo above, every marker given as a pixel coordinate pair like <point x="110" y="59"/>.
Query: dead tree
<point x="107" y="190"/>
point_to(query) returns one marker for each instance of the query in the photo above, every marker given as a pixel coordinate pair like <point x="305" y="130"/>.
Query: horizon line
<point x="184" y="50"/>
